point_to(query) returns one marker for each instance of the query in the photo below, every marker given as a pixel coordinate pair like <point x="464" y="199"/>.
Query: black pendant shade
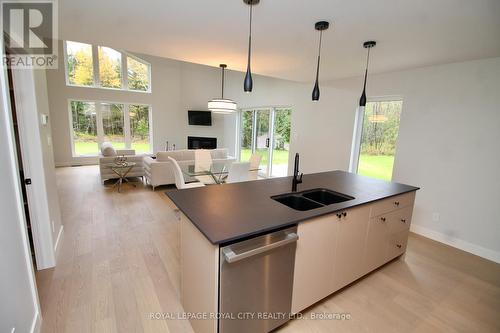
<point x="320" y="26"/>
<point x="367" y="45"/>
<point x="248" y="82"/>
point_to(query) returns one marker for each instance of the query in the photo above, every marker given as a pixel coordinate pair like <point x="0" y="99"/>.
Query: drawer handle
<point x="344" y="214"/>
<point x="339" y="215"/>
<point x="398" y="246"/>
<point x="382" y="219"/>
<point x="403" y="220"/>
<point x="396" y="203"/>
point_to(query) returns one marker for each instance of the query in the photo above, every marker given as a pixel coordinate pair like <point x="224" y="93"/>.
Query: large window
<point x="110" y="68"/>
<point x="79" y="64"/>
<point x="123" y="125"/>
<point x="377" y="135"/>
<point x="138" y="74"/>
<point x="103" y="67"/>
<point x="84" y="120"/>
<point x="139" y="128"/>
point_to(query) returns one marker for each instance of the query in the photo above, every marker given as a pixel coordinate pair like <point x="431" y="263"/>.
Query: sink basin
<point x="297" y="202"/>
<point x="311" y="199"/>
<point x="326" y="197"/>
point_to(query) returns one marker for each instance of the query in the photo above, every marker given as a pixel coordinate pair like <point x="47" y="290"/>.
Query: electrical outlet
<point x="435" y="217"/>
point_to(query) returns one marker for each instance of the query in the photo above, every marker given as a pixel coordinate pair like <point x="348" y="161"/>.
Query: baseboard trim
<point x="59" y="235"/>
<point x="75" y="163"/>
<point x="457" y="243"/>
<point x="37" y="323"/>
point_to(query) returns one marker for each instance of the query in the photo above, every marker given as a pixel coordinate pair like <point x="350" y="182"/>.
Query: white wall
<point x="449" y="146"/>
<point x="19" y="301"/>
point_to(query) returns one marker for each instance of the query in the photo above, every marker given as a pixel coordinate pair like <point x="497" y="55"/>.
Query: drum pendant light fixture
<point x="222" y="105"/>
<point x="320" y="26"/>
<point x="367" y="45"/>
<point x="248" y="82"/>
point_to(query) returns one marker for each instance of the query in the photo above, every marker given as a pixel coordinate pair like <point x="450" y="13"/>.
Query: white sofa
<point x="107" y="156"/>
<point x="159" y="171"/>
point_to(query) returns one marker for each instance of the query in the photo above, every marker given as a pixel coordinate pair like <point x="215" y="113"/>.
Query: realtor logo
<point x="30" y="29"/>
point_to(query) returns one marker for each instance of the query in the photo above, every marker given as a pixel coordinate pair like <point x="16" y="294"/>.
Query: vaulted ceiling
<point x="409" y="33"/>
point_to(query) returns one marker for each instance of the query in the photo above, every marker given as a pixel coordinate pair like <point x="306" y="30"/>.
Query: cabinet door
<point x="376" y="242"/>
<point x="352" y="230"/>
<point x="313" y="270"/>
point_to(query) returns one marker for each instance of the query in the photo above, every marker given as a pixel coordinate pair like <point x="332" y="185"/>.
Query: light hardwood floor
<point x="119" y="262"/>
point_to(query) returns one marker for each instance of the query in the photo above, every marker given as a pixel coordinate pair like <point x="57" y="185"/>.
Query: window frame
<point x="358" y="129"/>
<point x="96" y="74"/>
<point x="100" y="128"/>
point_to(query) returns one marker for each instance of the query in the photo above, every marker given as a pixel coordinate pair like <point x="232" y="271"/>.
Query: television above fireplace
<point x="199" y="142"/>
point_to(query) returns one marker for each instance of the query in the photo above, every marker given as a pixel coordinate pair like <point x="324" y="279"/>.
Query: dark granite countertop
<point x="229" y="212"/>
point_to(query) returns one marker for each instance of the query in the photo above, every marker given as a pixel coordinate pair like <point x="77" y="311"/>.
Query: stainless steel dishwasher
<point x="256" y="281"/>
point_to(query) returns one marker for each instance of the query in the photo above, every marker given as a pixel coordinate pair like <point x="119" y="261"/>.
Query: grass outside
<point x="280" y="157"/>
<point x="92" y="148"/>
<point x="376" y="166"/>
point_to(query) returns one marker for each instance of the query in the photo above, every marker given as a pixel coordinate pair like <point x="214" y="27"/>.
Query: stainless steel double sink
<point x="311" y="199"/>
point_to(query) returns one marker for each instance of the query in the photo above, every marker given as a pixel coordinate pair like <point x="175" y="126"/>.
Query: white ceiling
<point x="409" y="33"/>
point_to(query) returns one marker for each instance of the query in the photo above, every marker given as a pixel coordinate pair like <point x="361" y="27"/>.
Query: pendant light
<point x="320" y="26"/>
<point x="248" y="82"/>
<point x="367" y="45"/>
<point x="222" y="105"/>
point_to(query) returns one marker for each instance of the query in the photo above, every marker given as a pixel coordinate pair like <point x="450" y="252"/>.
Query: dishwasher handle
<point x="231" y="257"/>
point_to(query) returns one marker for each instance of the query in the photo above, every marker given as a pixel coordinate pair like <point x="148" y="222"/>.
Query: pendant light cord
<point x="319" y="53"/>
<point x="222" y="82"/>
<point x="366" y="69"/>
<point x="250" y="36"/>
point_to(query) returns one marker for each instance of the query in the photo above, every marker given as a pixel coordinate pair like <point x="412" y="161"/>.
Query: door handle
<point x="267" y="143"/>
<point x="231" y="257"/>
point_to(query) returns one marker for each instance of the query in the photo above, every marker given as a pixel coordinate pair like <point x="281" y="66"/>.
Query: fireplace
<point x="198" y="142"/>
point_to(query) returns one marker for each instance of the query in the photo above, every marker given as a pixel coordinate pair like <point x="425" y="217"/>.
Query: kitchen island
<point x="333" y="244"/>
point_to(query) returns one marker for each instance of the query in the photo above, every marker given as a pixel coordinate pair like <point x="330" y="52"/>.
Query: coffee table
<point x="121" y="170"/>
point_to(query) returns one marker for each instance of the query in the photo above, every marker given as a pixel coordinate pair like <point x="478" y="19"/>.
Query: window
<point x="110" y="68"/>
<point x="125" y="126"/>
<point x="138" y="74"/>
<point x="113" y="124"/>
<point x="79" y="64"/>
<point x="139" y="128"/>
<point x="84" y="120"/>
<point x="103" y="67"/>
<point x="266" y="132"/>
<point x="377" y="137"/>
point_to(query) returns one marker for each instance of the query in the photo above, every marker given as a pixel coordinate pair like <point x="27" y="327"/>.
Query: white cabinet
<point x="348" y="263"/>
<point x="313" y="261"/>
<point x="388" y="232"/>
<point x="337" y="249"/>
<point x="376" y="242"/>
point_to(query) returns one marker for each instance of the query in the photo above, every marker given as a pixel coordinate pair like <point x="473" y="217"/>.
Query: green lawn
<point x="376" y="166"/>
<point x="91" y="148"/>
<point x="279" y="156"/>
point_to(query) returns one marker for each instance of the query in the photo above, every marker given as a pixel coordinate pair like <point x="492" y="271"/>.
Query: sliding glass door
<point x="266" y="132"/>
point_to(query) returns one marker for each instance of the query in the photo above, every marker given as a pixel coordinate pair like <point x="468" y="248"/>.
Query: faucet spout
<point x="297" y="179"/>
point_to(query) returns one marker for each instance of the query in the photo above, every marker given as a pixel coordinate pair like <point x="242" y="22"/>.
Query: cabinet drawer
<point x="399" y="220"/>
<point x="392" y="203"/>
<point x="397" y="244"/>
